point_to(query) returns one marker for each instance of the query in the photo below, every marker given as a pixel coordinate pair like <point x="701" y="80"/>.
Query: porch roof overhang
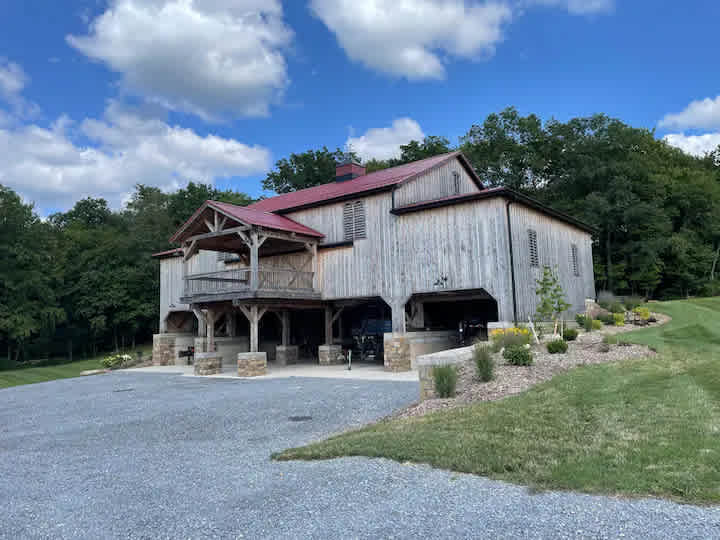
<point x="217" y="226"/>
<point x="229" y="219"/>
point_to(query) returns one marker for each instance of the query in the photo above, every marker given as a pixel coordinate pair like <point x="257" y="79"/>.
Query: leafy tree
<point x="27" y="275"/>
<point x="308" y="169"/>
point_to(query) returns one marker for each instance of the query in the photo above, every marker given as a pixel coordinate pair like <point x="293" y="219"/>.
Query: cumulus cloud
<point x="51" y="167"/>
<point x="700" y="114"/>
<point x="579" y="7"/>
<point x="211" y="58"/>
<point x="384" y="143"/>
<point x="13" y="80"/>
<point x="413" y="38"/>
<point x="696" y="145"/>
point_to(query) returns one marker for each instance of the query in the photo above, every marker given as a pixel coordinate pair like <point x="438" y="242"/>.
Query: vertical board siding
<point x="171" y="287"/>
<point x="554" y="243"/>
<point x="435" y="184"/>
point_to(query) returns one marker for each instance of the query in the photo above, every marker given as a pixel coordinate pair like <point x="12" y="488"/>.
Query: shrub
<point x="588" y="324"/>
<point x="607" y="318"/>
<point x="581" y="319"/>
<point x="507" y="337"/>
<point x="631" y="302"/>
<point x="597" y="325"/>
<point x="642" y="312"/>
<point x="484" y="363"/>
<point x="117" y="361"/>
<point x="617" y="307"/>
<point x="518" y="355"/>
<point x="570" y="334"/>
<point x="619" y="319"/>
<point x="445" y="381"/>
<point x="557" y="346"/>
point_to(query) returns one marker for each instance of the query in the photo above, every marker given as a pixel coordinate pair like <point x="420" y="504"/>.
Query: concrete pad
<point x="364" y="372"/>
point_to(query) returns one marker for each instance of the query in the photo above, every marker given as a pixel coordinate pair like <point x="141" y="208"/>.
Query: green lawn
<point x="31" y="375"/>
<point x="639" y="427"/>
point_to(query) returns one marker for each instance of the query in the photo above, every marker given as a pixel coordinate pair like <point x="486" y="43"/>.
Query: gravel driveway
<point x="162" y="456"/>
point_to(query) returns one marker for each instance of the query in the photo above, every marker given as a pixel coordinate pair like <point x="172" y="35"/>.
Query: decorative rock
<point x="208" y="363"/>
<point x="94" y="372"/>
<point x="330" y="354"/>
<point x="251" y="364"/>
<point x="286" y="354"/>
<point x="397" y="352"/>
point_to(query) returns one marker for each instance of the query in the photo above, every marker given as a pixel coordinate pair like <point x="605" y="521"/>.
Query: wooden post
<point x="285" y="320"/>
<point x="328" y="326"/>
<point x="231" y="323"/>
<point x="254" y="262"/>
<point x="210" y="330"/>
<point x="202" y="322"/>
<point x="398" y="316"/>
<point x="253" y="314"/>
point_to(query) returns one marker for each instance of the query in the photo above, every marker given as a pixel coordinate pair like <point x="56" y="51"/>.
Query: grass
<point x="30" y="375"/>
<point x="645" y="427"/>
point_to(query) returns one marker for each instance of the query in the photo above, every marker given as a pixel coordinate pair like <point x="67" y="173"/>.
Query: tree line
<point x="84" y="280"/>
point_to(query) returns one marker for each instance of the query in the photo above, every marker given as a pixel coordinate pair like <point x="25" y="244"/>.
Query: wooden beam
<point x="328" y="326"/>
<point x="190" y="251"/>
<point x="209" y="225"/>
<point x="215" y="234"/>
<point x="254" y="261"/>
<point x="337" y="314"/>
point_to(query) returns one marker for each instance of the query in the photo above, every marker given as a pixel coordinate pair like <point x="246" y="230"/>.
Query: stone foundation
<point x="208" y="363"/>
<point x="397" y="352"/>
<point x="251" y="364"/>
<point x="167" y="346"/>
<point x="330" y="354"/>
<point x="286" y="354"/>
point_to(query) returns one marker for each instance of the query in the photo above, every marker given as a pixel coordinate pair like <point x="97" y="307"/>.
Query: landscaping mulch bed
<point x="510" y="380"/>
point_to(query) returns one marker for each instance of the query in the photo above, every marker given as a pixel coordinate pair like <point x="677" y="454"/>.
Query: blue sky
<point x="98" y="95"/>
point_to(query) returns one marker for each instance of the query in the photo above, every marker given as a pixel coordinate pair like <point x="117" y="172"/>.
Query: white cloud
<point x="13" y="80"/>
<point x="211" y="58"/>
<point x="384" y="143"/>
<point x="696" y="145"/>
<point x="700" y="114"/>
<point x="51" y="167"/>
<point x="579" y="7"/>
<point x="413" y="38"/>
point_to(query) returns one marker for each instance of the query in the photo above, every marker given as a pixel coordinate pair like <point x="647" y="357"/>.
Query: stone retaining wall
<point x="167" y="346"/>
<point x="227" y="347"/>
<point x="208" y="363"/>
<point x="251" y="364"/>
<point x="426" y="363"/>
<point x="330" y="354"/>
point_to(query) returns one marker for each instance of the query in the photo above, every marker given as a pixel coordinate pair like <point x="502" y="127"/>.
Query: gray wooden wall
<point x="436" y="184"/>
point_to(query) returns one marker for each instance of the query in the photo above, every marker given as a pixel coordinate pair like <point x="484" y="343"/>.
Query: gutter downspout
<point x="512" y="261"/>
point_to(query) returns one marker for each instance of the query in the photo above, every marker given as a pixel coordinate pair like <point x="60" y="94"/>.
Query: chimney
<point x="347" y="170"/>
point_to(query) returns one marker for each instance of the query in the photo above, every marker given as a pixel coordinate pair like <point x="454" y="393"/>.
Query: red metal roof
<point x="378" y="180"/>
<point x="250" y="217"/>
<point x="253" y="216"/>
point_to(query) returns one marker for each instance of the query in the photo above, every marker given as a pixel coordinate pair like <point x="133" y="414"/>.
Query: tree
<point x="27" y="275"/>
<point x="308" y="169"/>
<point x="552" y="302"/>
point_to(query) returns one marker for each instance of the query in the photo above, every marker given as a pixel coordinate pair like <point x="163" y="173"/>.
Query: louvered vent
<point x="348" y="221"/>
<point x="354" y="227"/>
<point x="574" y="255"/>
<point x="359" y="219"/>
<point x="532" y="242"/>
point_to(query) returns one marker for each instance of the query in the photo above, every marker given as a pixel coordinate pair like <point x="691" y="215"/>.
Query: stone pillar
<point x="330" y="354"/>
<point x="286" y="354"/>
<point x="397" y="352"/>
<point x="251" y="364"/>
<point x="208" y="363"/>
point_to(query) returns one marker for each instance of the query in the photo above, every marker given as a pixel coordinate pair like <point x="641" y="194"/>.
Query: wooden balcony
<point x="236" y="284"/>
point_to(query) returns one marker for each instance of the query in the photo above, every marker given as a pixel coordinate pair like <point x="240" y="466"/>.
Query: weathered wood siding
<point x="554" y="241"/>
<point x="171" y="280"/>
<point x="435" y="184"/>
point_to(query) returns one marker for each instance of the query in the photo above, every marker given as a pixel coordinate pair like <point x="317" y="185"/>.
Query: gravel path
<point x="129" y="455"/>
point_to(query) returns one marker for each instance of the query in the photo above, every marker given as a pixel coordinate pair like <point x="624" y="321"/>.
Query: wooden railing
<point x="237" y="280"/>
